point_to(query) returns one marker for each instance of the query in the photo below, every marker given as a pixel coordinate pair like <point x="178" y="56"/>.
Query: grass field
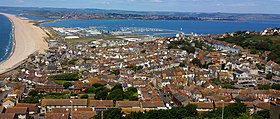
<point x="86" y="39"/>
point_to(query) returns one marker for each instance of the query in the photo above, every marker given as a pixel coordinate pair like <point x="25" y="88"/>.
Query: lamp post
<point x="71" y="108"/>
<point x="223" y="106"/>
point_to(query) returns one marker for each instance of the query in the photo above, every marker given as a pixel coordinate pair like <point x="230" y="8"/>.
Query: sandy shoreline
<point x="27" y="40"/>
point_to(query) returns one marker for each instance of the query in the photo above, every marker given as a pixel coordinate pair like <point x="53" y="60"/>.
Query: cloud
<point x="20" y="0"/>
<point x="158" y="1"/>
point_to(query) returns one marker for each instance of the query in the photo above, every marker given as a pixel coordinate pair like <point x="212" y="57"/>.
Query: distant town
<point x="85" y="14"/>
<point x="87" y="73"/>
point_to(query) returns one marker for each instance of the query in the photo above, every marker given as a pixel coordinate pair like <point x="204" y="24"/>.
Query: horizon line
<point x="140" y="10"/>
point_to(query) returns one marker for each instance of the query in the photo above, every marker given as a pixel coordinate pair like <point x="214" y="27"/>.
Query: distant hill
<point x="58" y="12"/>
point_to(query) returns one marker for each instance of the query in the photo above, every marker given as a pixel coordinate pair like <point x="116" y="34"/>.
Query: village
<point x="78" y="80"/>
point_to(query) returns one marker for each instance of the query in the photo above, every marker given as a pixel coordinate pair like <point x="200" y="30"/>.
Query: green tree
<point x="253" y="51"/>
<point x="84" y="96"/>
<point x="114" y="113"/>
<point x="33" y="93"/>
<point x="116" y="94"/>
<point x="263" y="114"/>
<point x="182" y="64"/>
<point x="196" y="62"/>
<point x="67" y="85"/>
<point x="269" y="76"/>
<point x="275" y="86"/>
<point x="264" y="87"/>
<point x="230" y="112"/>
<point x="116" y="72"/>
<point x="96" y="85"/>
<point x="90" y="90"/>
<point x="101" y="95"/>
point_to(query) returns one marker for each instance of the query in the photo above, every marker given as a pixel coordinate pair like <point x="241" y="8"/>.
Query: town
<point x="85" y="78"/>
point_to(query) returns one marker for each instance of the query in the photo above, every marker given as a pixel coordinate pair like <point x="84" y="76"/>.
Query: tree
<point x="182" y="64"/>
<point x="196" y="62"/>
<point x="189" y="49"/>
<point x="101" y="95"/>
<point x="114" y="113"/>
<point x="96" y="85"/>
<point x="116" y="94"/>
<point x="84" y="96"/>
<point x="90" y="90"/>
<point x="33" y="93"/>
<point x="66" y="76"/>
<point x="230" y="112"/>
<point x="263" y="114"/>
<point x="253" y="51"/>
<point x="116" y="72"/>
<point x="67" y="85"/>
<point x="269" y="76"/>
<point x="275" y="86"/>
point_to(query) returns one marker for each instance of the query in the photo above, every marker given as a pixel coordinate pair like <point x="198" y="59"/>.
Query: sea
<point x="170" y="27"/>
<point x="6" y="38"/>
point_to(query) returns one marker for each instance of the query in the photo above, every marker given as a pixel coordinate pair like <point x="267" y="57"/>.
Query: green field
<point x="258" y="44"/>
<point x="87" y="39"/>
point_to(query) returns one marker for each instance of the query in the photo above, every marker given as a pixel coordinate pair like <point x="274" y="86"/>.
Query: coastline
<point x="13" y="40"/>
<point x="27" y="39"/>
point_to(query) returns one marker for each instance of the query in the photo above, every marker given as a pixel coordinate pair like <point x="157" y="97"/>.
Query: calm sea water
<point x="6" y="38"/>
<point x="199" y="27"/>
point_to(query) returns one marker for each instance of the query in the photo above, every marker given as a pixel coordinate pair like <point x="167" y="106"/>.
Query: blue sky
<point x="230" y="6"/>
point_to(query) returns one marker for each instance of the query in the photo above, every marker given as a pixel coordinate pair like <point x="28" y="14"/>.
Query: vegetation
<point x="116" y="93"/>
<point x="230" y="112"/>
<point x="263" y="114"/>
<point x="233" y="111"/>
<point x="116" y="72"/>
<point x="66" y="77"/>
<point x="269" y="86"/>
<point x="35" y="96"/>
<point x="135" y="68"/>
<point x="174" y="113"/>
<point x="224" y="84"/>
<point x="87" y="39"/>
<point x="269" y="76"/>
<point x="84" y="96"/>
<point x="67" y="85"/>
<point x="258" y="43"/>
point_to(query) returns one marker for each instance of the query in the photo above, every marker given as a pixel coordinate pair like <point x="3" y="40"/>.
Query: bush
<point x="67" y="85"/>
<point x="67" y="77"/>
<point x="84" y="96"/>
<point x="33" y="93"/>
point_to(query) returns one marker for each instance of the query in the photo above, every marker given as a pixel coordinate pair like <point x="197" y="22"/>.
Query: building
<point x="274" y="109"/>
<point x="101" y="105"/>
<point x="20" y="112"/>
<point x="48" y="104"/>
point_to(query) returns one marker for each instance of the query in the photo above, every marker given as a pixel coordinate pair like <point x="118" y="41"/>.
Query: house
<point x="272" y="67"/>
<point x="83" y="114"/>
<point x="8" y="116"/>
<point x="33" y="108"/>
<point x="56" y="116"/>
<point x="153" y="105"/>
<point x="274" y="109"/>
<point x="2" y="109"/>
<point x="221" y="104"/>
<point x="48" y="104"/>
<point x="9" y="102"/>
<point x="128" y="104"/>
<point x="50" y="88"/>
<point x="101" y="105"/>
<point x="20" y="112"/>
<point x="203" y="106"/>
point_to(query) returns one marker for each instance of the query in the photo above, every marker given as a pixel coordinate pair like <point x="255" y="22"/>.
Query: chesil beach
<point x="28" y="39"/>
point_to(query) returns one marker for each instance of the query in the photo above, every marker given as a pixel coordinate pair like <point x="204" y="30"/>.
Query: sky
<point x="208" y="6"/>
